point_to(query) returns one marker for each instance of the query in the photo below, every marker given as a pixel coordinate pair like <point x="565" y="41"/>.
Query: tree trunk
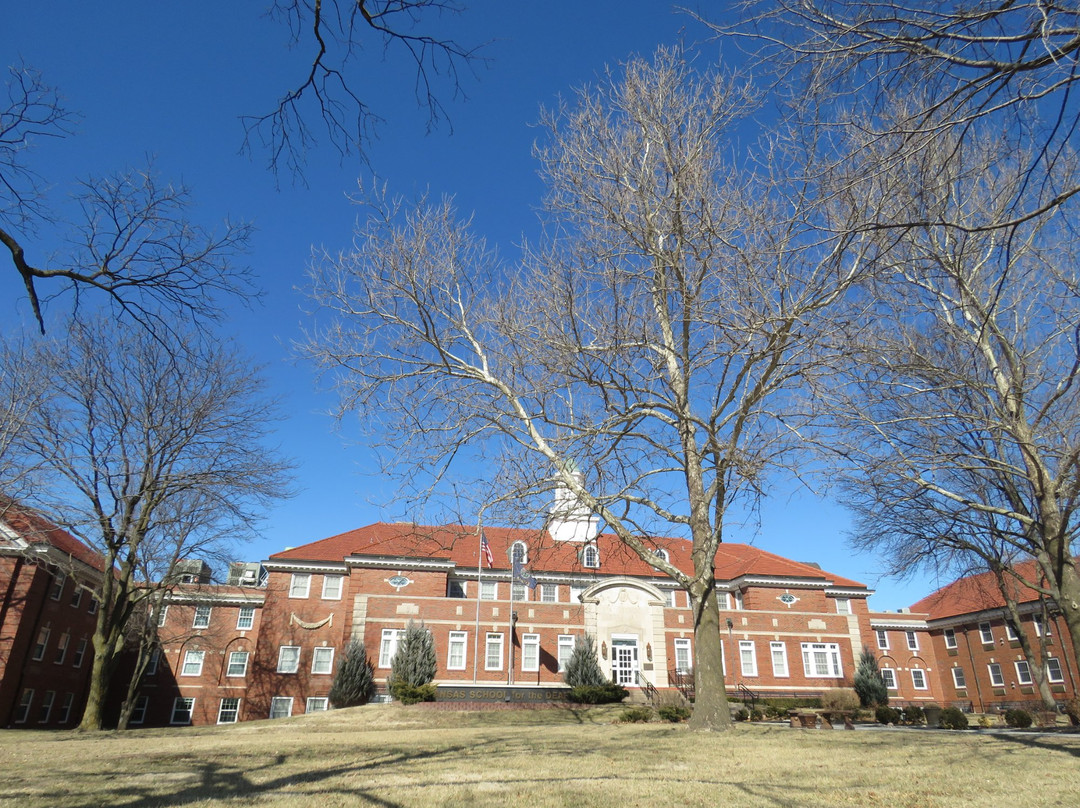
<point x="1069" y="603"/>
<point x="98" y="688"/>
<point x="711" y="711"/>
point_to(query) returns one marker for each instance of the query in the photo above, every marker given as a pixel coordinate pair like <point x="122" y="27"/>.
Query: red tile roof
<point x="976" y="593"/>
<point x="34" y="528"/>
<point x="461" y="545"/>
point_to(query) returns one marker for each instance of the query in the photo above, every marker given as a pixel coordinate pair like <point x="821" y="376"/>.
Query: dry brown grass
<point x="387" y="755"/>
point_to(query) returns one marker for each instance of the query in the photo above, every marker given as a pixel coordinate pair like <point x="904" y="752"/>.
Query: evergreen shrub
<point x="887" y="715"/>
<point x="953" y="718"/>
<point x="605" y="693"/>
<point x="1021" y="719"/>
<point x="413" y="666"/>
<point x="354" y="682"/>
<point x="583" y="668"/>
<point x="868" y="683"/>
<point x="674" y="713"/>
<point x="411" y="694"/>
<point x="636" y="715"/>
<point x="913" y="714"/>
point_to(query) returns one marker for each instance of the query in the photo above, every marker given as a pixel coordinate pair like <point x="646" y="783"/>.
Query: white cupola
<point x="568" y="518"/>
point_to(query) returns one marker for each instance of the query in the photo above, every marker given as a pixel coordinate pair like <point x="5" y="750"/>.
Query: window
<point x="821" y="660"/>
<point x="181" y="711"/>
<point x="576" y="591"/>
<point x="202" y="617"/>
<point x="950" y="638"/>
<point x="76" y="601"/>
<point x="747" y="658"/>
<point x="300" y="585"/>
<point x="918" y="678"/>
<point x="22" y="712"/>
<point x="724" y="600"/>
<point x="549" y="593"/>
<point x="322" y="661"/>
<point x="843" y="605"/>
<point x="80" y="652"/>
<point x="683" y="662"/>
<point x="737" y="597"/>
<point x="39" y="646"/>
<point x="996" y="679"/>
<point x="662" y="554"/>
<point x="1053" y="670"/>
<point x="530" y="652"/>
<point x="779" y="659"/>
<point x="388" y="647"/>
<point x="58" y="586"/>
<point x="1023" y="672"/>
<point x="288" y="659"/>
<point x="519" y="553"/>
<point x="228" y="711"/>
<point x="882" y="639"/>
<point x="669" y="598"/>
<point x="65" y="708"/>
<point x="238" y="662"/>
<point x="155" y="660"/>
<point x="888" y="676"/>
<point x="1010" y="631"/>
<point x="162" y="615"/>
<point x="61" y="649"/>
<point x="45" y="710"/>
<point x="246" y="618"/>
<point x="280" y="707"/>
<point x="317" y="704"/>
<point x="566" y="648"/>
<point x="493" y="652"/>
<point x="1037" y="621"/>
<point x="986" y="633"/>
<point x="958" y="678"/>
<point x="455" y="589"/>
<point x="331" y="587"/>
<point x="93" y="607"/>
<point x="912" y="640"/>
<point x="590" y="556"/>
<point x="489" y="590"/>
<point x="518" y="592"/>
<point x="456" y="653"/>
<point x="138" y="715"/>
<point x="193" y="662"/>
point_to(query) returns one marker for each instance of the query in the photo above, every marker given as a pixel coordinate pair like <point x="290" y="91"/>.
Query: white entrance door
<point x="624" y="660"/>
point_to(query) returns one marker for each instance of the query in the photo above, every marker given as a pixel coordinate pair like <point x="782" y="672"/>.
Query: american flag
<point x="485" y="548"/>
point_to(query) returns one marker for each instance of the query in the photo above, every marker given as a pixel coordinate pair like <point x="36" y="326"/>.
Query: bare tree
<point x="655" y="340"/>
<point x="960" y="417"/>
<point x="1011" y="64"/>
<point x="153" y="450"/>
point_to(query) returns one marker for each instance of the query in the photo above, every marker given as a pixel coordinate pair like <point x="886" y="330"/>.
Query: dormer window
<point x="662" y="554"/>
<point x="590" y="556"/>
<point x="519" y="553"/>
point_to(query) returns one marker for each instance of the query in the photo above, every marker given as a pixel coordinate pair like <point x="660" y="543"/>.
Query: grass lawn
<point x="388" y="755"/>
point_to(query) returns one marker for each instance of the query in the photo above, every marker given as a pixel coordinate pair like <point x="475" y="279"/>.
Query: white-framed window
<point x="281" y="706"/>
<point x="93" y="607"/>
<point x="747" y="658"/>
<point x="918" y="678"/>
<point x="1037" y="621"/>
<point x="65" y="708"/>
<point x="549" y="593"/>
<point x="331" y="587"/>
<point x="882" y="639"/>
<point x="1053" y="670"/>
<point x="912" y="640"/>
<point x="493" y="652"/>
<point x="317" y="704"/>
<point x="80" y="652"/>
<point x="519" y="592"/>
<point x="986" y="634"/>
<point x="202" y="617"/>
<point x="245" y="618"/>
<point x="238" y="662"/>
<point x="669" y="598"/>
<point x="388" y="647"/>
<point x="723" y="600"/>
<point x="193" y="662"/>
<point x="684" y="663"/>
<point x="950" y="638"/>
<point x="300" y="585"/>
<point x="138" y="714"/>
<point x="566" y="648"/>
<point x="46" y="706"/>
<point x="489" y="590"/>
<point x="590" y="556"/>
<point x="61" y="648"/>
<point x="737" y="599"/>
<point x="22" y="712"/>
<point x="997" y="679"/>
<point x="59" y="579"/>
<point x="778" y="651"/>
<point x="1010" y="631"/>
<point x="821" y="660"/>
<point x="843" y="605"/>
<point x="888" y="676"/>
<point x="530" y="652"/>
<point x="322" y="660"/>
<point x="288" y="659"/>
<point x="162" y="615"/>
<point x="519" y="552"/>
<point x="228" y="711"/>
<point x="1023" y="672"/>
<point x="153" y="662"/>
<point x="660" y="552"/>
<point x="181" y="710"/>
<point x="40" y="645"/>
<point x="576" y="591"/>
<point x="958" y="678"/>
<point x="76" y="600"/>
<point x="457" y="650"/>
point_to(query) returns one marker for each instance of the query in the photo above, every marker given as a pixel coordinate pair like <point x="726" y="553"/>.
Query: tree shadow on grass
<point x="1044" y="741"/>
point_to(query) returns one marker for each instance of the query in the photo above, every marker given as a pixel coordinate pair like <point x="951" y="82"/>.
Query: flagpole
<point x="510" y="671"/>
<point x="476" y="633"/>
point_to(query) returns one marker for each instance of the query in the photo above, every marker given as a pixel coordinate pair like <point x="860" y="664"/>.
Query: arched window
<point x="590" y="556"/>
<point x="519" y="552"/>
<point x="661" y="553"/>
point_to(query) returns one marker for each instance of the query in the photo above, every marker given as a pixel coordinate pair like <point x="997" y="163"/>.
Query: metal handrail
<point x="650" y="691"/>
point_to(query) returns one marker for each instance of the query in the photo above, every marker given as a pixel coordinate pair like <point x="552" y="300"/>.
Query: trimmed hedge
<point x="607" y="693"/>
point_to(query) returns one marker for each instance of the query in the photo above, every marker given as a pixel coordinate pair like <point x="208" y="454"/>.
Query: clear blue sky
<point x="168" y="82"/>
